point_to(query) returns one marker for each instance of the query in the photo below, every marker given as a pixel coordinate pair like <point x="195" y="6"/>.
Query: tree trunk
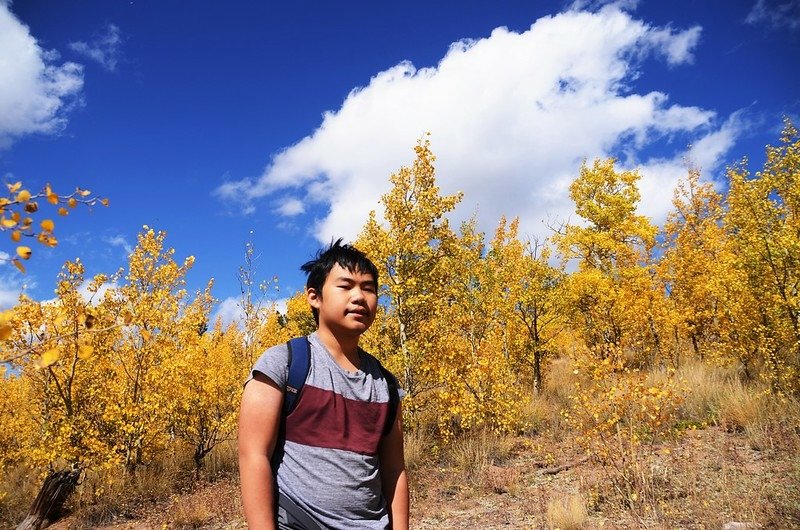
<point x="49" y="503"/>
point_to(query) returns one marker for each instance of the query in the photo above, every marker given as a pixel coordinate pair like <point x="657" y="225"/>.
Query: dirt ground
<point x="704" y="479"/>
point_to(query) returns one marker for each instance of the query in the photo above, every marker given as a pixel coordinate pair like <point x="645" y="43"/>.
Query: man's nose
<point x="358" y="294"/>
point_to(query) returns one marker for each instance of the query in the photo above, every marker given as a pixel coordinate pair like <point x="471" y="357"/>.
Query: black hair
<point x="347" y="256"/>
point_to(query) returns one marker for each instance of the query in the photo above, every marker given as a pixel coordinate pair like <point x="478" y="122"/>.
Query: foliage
<point x="20" y="207"/>
<point x="611" y="297"/>
<point x="410" y="254"/>
<point x="764" y="219"/>
<point x="618" y="418"/>
<point x="120" y="371"/>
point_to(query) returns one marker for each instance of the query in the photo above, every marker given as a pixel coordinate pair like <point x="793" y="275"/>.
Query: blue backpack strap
<point x="299" y="364"/>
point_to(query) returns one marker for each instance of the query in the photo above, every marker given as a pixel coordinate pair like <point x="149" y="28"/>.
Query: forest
<point x="603" y="345"/>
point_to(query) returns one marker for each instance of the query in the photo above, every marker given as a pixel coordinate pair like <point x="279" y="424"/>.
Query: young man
<point x="330" y="464"/>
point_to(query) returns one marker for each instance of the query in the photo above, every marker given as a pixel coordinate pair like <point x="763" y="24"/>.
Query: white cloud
<point x="661" y="176"/>
<point x="775" y="14"/>
<point x="103" y="49"/>
<point x="35" y="93"/>
<point x="291" y="207"/>
<point x="230" y="310"/>
<point x="512" y="116"/>
<point x="120" y="241"/>
<point x="12" y="284"/>
<point x="97" y="296"/>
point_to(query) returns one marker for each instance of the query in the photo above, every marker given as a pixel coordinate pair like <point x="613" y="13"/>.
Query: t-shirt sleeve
<point x="274" y="363"/>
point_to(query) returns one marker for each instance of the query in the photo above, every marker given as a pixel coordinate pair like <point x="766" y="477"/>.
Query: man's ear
<point x="314" y="298"/>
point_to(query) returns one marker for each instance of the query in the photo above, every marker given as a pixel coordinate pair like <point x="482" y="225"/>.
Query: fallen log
<point x="49" y="504"/>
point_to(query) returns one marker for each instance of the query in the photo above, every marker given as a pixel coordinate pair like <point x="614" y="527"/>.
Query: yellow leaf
<point x="5" y="330"/>
<point x="18" y="264"/>
<point x="49" y="357"/>
<point x="63" y="211"/>
<point x="52" y="198"/>
<point x="47" y="225"/>
<point x="85" y="193"/>
<point x="145" y="334"/>
<point x="72" y="202"/>
<point x="24" y="252"/>
<point x="85" y="351"/>
<point x="8" y="223"/>
<point x="23" y="196"/>
<point x="16" y="235"/>
<point x="14" y="187"/>
<point x="104" y="202"/>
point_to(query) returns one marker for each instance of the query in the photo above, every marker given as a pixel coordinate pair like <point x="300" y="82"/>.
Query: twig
<point x="558" y="469"/>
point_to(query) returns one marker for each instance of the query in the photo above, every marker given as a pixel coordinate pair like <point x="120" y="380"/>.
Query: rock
<point x="734" y="525"/>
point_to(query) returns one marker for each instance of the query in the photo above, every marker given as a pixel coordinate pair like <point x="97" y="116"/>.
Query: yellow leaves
<point x="52" y="198"/>
<point x="49" y="358"/>
<point x="85" y="351"/>
<point x="126" y="318"/>
<point x="22" y="202"/>
<point x="24" y="252"/>
<point x="146" y="335"/>
<point x="6" y="329"/>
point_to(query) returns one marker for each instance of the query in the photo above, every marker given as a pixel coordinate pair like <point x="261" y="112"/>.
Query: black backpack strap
<point x="299" y="364"/>
<point x="394" y="399"/>
<point x="296" y="516"/>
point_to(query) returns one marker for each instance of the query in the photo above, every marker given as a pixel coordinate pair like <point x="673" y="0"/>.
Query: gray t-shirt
<point x="329" y="462"/>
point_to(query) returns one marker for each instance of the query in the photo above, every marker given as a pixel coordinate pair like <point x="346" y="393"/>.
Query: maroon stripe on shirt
<point x="323" y="418"/>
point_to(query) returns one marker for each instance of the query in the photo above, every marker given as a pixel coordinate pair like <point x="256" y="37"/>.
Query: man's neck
<point x="344" y="350"/>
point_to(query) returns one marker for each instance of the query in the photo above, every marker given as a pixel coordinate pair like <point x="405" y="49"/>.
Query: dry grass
<point x="744" y="447"/>
<point x="111" y="494"/>
<point x="472" y="453"/>
<point x="559" y="385"/>
<point x="191" y="514"/>
<point x="419" y="448"/>
<point x="539" y="414"/>
<point x="21" y="485"/>
<point x="705" y="385"/>
<point x="502" y="479"/>
<point x="740" y="408"/>
<point x="222" y="461"/>
<point x="567" y="513"/>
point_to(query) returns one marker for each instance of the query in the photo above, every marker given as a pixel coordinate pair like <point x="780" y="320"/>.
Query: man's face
<point x="348" y="302"/>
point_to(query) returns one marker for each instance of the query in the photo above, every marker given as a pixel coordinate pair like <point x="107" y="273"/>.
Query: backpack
<point x="299" y="365"/>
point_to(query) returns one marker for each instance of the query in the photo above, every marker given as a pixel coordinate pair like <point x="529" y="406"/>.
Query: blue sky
<point x="213" y="121"/>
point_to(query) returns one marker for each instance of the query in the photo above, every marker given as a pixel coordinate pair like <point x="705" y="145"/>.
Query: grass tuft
<point x="567" y="513"/>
